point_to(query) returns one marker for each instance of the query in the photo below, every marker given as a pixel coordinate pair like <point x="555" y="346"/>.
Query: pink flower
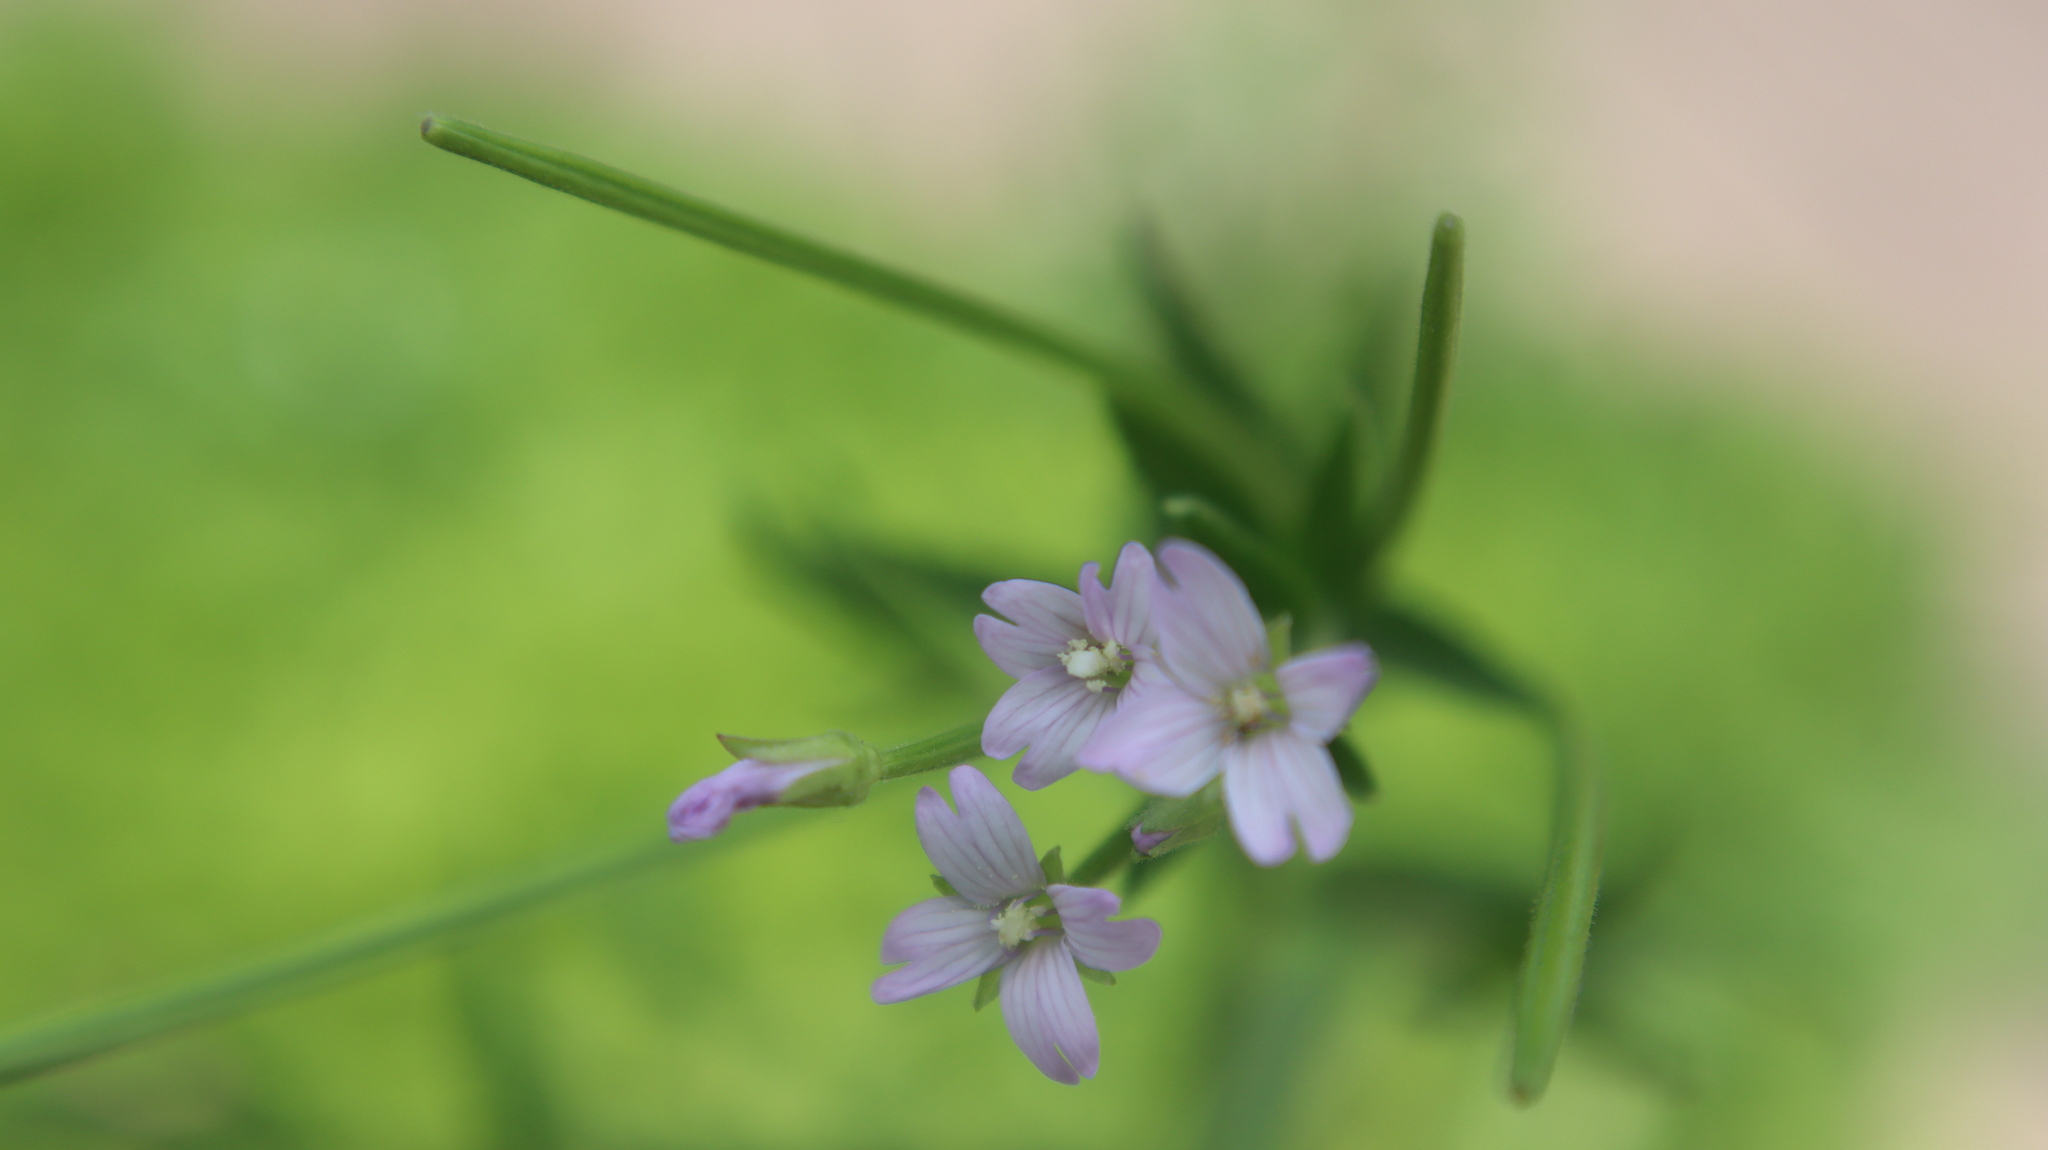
<point x="1217" y="705"/>
<point x="1072" y="656"/>
<point x="1006" y="915"/>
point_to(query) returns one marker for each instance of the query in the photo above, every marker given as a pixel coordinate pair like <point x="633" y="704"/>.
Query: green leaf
<point x="1093" y="975"/>
<point x="945" y="888"/>
<point x="1555" y="957"/>
<point x="1406" y="639"/>
<point x="1435" y="357"/>
<point x="1175" y="437"/>
<point x="1055" y="871"/>
<point x="989" y="988"/>
<point x="1353" y="770"/>
<point x="1548" y="990"/>
<point x="1194" y="351"/>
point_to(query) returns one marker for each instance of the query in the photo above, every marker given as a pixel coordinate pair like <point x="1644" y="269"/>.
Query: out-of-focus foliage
<point x="367" y="525"/>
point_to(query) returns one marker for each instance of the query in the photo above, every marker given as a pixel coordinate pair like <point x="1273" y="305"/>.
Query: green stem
<point x="41" y="1047"/>
<point x="1558" y="932"/>
<point x="962" y="744"/>
<point x="1436" y="354"/>
<point x="53" y="1043"/>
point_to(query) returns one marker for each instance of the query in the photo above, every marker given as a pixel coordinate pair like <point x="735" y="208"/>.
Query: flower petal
<point x="1051" y="712"/>
<point x="1324" y="687"/>
<point x="946" y="941"/>
<point x="1124" y="611"/>
<point x="1280" y="780"/>
<point x="709" y="804"/>
<point x="983" y="850"/>
<point x="1017" y="651"/>
<point x="1048" y="1013"/>
<point x="1099" y="943"/>
<point x="1210" y="634"/>
<point x="1160" y="739"/>
<point x="1043" y="616"/>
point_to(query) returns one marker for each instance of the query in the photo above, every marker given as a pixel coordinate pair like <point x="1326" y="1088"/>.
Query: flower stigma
<point x="1100" y="665"/>
<point x="1016" y="923"/>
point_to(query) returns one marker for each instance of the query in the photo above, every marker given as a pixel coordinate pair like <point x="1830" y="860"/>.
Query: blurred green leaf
<point x="1178" y="439"/>
<point x="1190" y="338"/>
<point x="1436" y="356"/>
<point x="1353" y="770"/>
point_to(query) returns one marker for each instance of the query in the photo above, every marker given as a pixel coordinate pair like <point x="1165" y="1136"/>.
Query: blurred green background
<point x="372" y="523"/>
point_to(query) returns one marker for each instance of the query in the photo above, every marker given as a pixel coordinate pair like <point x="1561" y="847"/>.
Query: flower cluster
<point x="1196" y="696"/>
<point x="1166" y="678"/>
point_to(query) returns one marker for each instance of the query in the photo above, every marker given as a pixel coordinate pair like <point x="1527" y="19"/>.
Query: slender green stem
<point x="1193" y="422"/>
<point x="1558" y="932"/>
<point x="962" y="744"/>
<point x="43" y="1046"/>
<point x="1436" y="354"/>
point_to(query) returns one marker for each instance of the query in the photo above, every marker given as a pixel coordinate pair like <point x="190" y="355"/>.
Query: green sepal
<point x="1189" y="820"/>
<point x="1093" y="975"/>
<point x="1352" y="769"/>
<point x="1280" y="637"/>
<point x="940" y="884"/>
<point x="989" y="988"/>
<point x="1055" y="870"/>
<point x="855" y="766"/>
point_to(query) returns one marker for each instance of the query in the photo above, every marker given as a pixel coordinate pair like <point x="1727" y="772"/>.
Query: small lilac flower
<point x="709" y="804"/>
<point x="1072" y="656"/>
<point x="1218" y="705"/>
<point x="1006" y="915"/>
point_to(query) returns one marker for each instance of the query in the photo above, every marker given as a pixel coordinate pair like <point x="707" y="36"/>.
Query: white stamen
<point x="1248" y="705"/>
<point x="1016" y="923"/>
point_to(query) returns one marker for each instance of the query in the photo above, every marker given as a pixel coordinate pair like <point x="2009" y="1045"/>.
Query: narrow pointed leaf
<point x="1093" y="975"/>
<point x="1435" y="356"/>
<point x="1055" y="870"/>
<point x="1552" y="966"/>
<point x="1190" y="340"/>
<point x="1187" y="435"/>
<point x="1555" y="956"/>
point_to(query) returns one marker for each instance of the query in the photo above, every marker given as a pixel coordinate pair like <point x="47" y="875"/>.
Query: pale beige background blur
<point x="1858" y="187"/>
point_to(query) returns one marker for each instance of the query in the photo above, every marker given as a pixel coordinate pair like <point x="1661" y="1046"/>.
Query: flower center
<point x="1101" y="666"/>
<point x="1016" y="923"/>
<point x="1254" y="706"/>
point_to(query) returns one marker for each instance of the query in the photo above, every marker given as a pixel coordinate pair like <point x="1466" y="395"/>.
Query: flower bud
<point x="834" y="769"/>
<point x="1169" y="824"/>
